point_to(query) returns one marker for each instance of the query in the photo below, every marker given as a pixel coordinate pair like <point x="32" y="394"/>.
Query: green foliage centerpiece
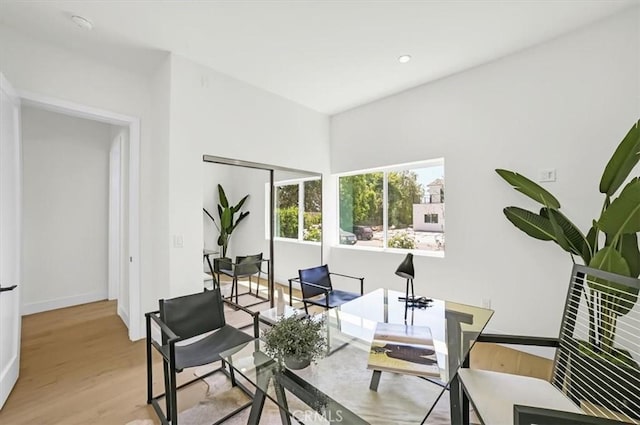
<point x="296" y="341"/>
<point x="619" y="221"/>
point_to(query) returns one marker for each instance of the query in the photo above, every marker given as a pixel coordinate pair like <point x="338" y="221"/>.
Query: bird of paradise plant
<point x="616" y="252"/>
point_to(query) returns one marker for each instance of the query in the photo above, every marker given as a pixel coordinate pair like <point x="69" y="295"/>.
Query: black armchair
<point x="244" y="267"/>
<point x="180" y="319"/>
<point x="317" y="288"/>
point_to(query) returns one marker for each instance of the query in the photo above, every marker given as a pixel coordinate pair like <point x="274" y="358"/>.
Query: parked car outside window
<point x="363" y="232"/>
<point x="347" y="238"/>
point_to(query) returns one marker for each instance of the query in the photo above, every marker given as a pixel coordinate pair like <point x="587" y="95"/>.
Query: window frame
<point x="301" y="190"/>
<point x="408" y="166"/>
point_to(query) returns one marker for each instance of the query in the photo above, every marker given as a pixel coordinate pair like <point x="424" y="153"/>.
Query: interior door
<point x="10" y="235"/>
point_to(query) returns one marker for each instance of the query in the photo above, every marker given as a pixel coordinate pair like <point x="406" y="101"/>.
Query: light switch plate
<point x="547" y="175"/>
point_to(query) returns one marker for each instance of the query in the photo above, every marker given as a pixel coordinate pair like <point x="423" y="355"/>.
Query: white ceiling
<point x="327" y="55"/>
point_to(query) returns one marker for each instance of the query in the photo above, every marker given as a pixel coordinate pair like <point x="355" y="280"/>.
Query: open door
<point x="10" y="235"/>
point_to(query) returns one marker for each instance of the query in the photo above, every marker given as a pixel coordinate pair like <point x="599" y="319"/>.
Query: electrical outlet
<point x="486" y="303"/>
<point x="547" y="175"/>
<point x="178" y="241"/>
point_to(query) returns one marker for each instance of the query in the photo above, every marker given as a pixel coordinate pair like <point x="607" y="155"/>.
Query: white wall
<point x="565" y="104"/>
<point x="66" y="181"/>
<point x="49" y="70"/>
<point x="217" y="115"/>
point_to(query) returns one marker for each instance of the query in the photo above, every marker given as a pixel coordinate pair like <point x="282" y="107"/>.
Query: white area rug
<point x="222" y="399"/>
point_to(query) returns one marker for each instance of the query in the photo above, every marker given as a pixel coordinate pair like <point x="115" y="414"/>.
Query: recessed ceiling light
<point x="82" y="22"/>
<point x="404" y="58"/>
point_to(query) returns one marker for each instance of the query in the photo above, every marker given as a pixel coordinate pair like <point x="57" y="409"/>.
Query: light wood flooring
<point x="79" y="367"/>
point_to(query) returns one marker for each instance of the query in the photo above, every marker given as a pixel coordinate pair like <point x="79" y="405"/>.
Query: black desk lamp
<point x="405" y="270"/>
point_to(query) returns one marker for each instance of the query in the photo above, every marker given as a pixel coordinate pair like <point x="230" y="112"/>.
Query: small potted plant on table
<point x="296" y="341"/>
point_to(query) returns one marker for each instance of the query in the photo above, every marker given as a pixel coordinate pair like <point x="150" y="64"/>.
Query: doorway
<point x="72" y="211"/>
<point x="124" y="270"/>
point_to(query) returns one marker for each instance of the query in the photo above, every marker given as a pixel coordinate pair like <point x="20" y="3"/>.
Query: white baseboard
<point x="63" y="302"/>
<point x="124" y="315"/>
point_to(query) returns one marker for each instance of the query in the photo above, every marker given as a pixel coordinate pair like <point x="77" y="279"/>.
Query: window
<point x="312" y="214"/>
<point x="431" y="218"/>
<point x="287" y="211"/>
<point x="361" y="205"/>
<point x="397" y="207"/>
<point x="298" y="210"/>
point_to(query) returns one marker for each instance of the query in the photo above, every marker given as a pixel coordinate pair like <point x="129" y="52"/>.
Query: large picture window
<point x="298" y="210"/>
<point x="396" y="207"/>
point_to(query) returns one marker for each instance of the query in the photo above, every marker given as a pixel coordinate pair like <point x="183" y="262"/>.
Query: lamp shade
<point x="405" y="269"/>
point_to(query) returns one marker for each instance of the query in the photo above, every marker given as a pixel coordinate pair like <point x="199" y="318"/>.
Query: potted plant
<point x="296" y="341"/>
<point x="228" y="224"/>
<point x="617" y="251"/>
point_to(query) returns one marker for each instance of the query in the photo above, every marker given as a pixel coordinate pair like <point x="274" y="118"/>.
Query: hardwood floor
<point x="79" y="367"/>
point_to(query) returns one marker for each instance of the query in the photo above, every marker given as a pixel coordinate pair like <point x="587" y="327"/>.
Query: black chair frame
<point x="169" y="364"/>
<point x="325" y="290"/>
<point x="527" y="415"/>
<point x="234" y="274"/>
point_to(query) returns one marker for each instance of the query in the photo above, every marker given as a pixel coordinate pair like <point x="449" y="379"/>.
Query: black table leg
<point x="375" y="380"/>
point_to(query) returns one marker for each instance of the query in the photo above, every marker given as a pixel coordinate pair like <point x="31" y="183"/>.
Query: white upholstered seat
<point x="494" y="394"/>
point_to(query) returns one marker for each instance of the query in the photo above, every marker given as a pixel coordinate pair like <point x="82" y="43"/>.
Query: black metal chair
<point x="180" y="319"/>
<point x="595" y="370"/>
<point x="317" y="288"/>
<point x="526" y="415"/>
<point x="244" y="267"/>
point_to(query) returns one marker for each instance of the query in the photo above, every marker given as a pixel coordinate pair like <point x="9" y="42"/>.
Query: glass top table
<point x="341" y="387"/>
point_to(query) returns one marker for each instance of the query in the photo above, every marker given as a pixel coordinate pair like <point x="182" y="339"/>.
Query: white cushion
<point x="493" y="394"/>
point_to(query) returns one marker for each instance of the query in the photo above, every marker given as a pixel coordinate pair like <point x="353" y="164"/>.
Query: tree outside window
<point x="298" y="210"/>
<point x="287" y="211"/>
<point x="401" y="207"/>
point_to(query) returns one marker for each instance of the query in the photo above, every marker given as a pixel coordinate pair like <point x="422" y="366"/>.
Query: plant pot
<point x="222" y="263"/>
<point x="618" y="378"/>
<point x="296" y="363"/>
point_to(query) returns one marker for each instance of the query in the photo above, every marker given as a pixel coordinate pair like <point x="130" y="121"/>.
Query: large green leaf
<point x="610" y="260"/>
<point x="622" y="161"/>
<point x="529" y="188"/>
<point x="531" y="223"/>
<point x="592" y="239"/>
<point x="226" y="221"/>
<point x="575" y="241"/>
<point x="560" y="238"/>
<point x="631" y="253"/>
<point x="242" y="216"/>
<point x="240" y="204"/>
<point x="223" y="197"/>
<point x="623" y="215"/>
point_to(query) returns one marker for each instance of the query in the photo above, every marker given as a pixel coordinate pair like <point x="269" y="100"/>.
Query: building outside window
<point x="298" y="210"/>
<point x="396" y="207"/>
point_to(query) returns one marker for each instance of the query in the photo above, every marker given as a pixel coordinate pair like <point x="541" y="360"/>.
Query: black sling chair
<point x="317" y="288"/>
<point x="183" y="318"/>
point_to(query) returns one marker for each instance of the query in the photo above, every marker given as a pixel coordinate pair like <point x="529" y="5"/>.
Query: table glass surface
<point x="339" y="382"/>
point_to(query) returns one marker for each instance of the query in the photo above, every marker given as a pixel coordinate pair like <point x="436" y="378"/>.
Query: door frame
<point x="133" y="124"/>
<point x="11" y="371"/>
